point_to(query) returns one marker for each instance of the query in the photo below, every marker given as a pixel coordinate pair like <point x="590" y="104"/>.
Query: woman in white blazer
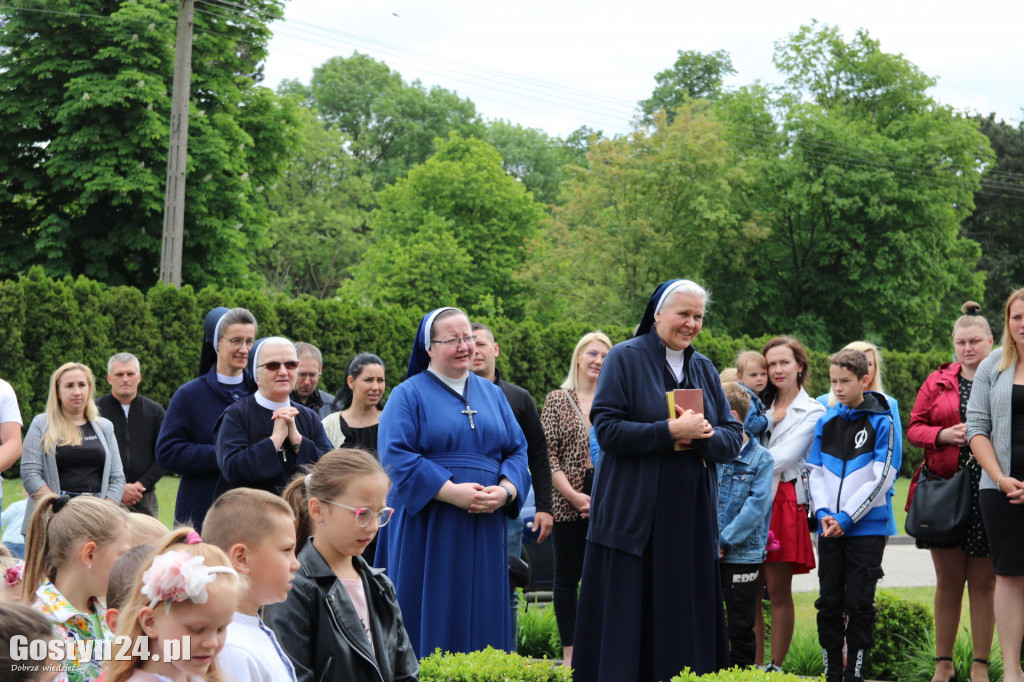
<point x="795" y="415"/>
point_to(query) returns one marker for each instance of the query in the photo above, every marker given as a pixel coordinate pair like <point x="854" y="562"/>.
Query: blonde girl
<point x="350" y="608"/>
<point x="70" y="547"/>
<point x="188" y="589"/>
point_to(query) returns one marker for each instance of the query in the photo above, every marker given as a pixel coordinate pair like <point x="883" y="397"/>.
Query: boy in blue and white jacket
<point x="852" y="466"/>
<point x="744" y="510"/>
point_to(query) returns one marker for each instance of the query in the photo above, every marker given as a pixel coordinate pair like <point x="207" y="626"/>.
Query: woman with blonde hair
<point x="70" y="449"/>
<point x="938" y="424"/>
<point x="995" y="433"/>
<point x="566" y="423"/>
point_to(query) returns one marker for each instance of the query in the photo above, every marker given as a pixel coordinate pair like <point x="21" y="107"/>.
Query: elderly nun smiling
<point x="263" y="439"/>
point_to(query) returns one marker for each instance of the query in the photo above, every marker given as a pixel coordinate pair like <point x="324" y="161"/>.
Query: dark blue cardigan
<point x="185" y="445"/>
<point x="247" y="457"/>
<point x="630" y="418"/>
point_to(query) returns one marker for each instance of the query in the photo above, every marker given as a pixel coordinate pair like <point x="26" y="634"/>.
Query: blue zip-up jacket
<point x="745" y="504"/>
<point x="756" y="421"/>
<point x="852" y="465"/>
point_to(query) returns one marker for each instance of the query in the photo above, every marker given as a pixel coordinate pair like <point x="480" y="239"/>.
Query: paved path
<point x="903" y="563"/>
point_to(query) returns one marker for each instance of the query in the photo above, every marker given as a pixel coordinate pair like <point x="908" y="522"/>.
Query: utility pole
<point x="177" y="154"/>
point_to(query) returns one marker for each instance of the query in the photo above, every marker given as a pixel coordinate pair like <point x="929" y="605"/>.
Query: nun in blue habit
<point x="651" y="593"/>
<point x="457" y="461"/>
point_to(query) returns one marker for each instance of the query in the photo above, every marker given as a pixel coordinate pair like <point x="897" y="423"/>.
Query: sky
<point x="557" y="65"/>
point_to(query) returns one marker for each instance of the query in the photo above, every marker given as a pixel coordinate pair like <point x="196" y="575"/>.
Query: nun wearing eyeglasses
<point x="457" y="460"/>
<point x="185" y="445"/>
<point x="651" y="594"/>
<point x="264" y="439"/>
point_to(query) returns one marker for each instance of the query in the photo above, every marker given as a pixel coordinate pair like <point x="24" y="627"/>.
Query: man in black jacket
<point x="525" y="411"/>
<point x="137" y="421"/>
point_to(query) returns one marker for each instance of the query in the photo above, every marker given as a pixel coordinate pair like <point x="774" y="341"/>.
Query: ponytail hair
<point x="182" y="539"/>
<point x="58" y="525"/>
<point x="328" y="478"/>
<point x="343" y="398"/>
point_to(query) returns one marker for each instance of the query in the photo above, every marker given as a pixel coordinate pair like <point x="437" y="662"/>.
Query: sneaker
<point x="772" y="668"/>
<point x="773" y="544"/>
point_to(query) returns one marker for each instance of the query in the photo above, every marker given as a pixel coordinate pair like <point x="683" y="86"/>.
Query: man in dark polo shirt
<point x="137" y="421"/>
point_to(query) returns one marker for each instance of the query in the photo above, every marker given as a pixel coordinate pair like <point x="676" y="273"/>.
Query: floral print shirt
<point x="73" y="625"/>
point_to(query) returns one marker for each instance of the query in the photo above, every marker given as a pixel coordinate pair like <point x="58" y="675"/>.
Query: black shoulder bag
<point x="941" y="508"/>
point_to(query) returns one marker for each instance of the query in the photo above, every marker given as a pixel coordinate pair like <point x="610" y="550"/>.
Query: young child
<point x="146" y="530"/>
<point x="186" y="590"/>
<point x="341" y="621"/>
<point x="18" y="619"/>
<point x="13" y="518"/>
<point x="122" y="579"/>
<point x="70" y="547"/>
<point x="745" y="504"/>
<point x="852" y="465"/>
<point x="752" y="374"/>
<point x="256" y="529"/>
<point x="11" y="569"/>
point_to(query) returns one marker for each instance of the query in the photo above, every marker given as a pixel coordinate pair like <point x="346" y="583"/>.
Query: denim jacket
<point x="745" y="504"/>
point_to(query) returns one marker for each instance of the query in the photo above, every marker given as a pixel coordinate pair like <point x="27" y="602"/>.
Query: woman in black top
<point x="70" y="448"/>
<point x="358" y="405"/>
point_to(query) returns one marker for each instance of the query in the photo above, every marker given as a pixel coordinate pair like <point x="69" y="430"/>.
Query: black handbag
<point x="941" y="508"/>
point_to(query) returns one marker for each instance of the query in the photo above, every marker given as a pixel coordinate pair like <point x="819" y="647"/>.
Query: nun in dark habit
<point x="263" y="439"/>
<point x="651" y="594"/>
<point x="458" y="466"/>
<point x="185" y="444"/>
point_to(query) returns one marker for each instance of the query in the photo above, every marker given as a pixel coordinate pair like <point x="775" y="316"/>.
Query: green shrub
<point x="804" y="657"/>
<point x="490" y="664"/>
<point x="919" y="659"/>
<point x="735" y="675"/>
<point x="538" y="631"/>
<point x="894" y="615"/>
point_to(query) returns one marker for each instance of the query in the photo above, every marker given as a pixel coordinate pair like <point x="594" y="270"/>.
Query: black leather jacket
<point x="317" y="626"/>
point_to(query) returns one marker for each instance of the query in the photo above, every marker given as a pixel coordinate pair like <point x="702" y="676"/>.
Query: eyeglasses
<point x="274" y="365"/>
<point x="365" y="514"/>
<point x="238" y="343"/>
<point x="468" y="340"/>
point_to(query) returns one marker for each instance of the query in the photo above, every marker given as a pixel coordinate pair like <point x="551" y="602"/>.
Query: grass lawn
<point x="166" y="492"/>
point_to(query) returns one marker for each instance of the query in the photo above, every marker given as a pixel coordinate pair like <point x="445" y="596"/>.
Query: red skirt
<point x="789" y="523"/>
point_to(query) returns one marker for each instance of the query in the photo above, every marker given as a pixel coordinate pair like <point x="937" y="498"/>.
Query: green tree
<point x="533" y="157"/>
<point x="863" y="181"/>
<point x="452" y="232"/>
<point x="321" y="207"/>
<point x="392" y="124"/>
<point x="998" y="219"/>
<point x="695" y="75"/>
<point x="84" y="113"/>
<point x="659" y="203"/>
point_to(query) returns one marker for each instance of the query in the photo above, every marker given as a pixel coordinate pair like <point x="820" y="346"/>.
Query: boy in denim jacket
<point x="744" y="510"/>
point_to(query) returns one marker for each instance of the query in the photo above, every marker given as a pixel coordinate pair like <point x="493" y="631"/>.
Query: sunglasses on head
<point x="274" y="365"/>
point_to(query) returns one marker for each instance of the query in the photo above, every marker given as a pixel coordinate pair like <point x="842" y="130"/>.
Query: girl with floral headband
<point x="70" y="546"/>
<point x="187" y="590"/>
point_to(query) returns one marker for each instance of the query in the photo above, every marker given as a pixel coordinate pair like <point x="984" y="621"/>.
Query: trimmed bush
<point x="490" y="664"/>
<point x="894" y="615"/>
<point x="52" y="321"/>
<point x="736" y="675"/>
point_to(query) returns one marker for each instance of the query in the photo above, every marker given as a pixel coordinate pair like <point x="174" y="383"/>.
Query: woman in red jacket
<point x="937" y="424"/>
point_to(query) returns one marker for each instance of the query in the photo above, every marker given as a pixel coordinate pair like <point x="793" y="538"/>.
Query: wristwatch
<point x="511" y="498"/>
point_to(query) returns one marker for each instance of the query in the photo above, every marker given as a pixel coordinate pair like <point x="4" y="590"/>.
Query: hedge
<point x="52" y="321"/>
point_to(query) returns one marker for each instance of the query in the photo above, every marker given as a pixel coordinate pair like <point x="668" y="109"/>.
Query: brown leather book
<point x="687" y="399"/>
